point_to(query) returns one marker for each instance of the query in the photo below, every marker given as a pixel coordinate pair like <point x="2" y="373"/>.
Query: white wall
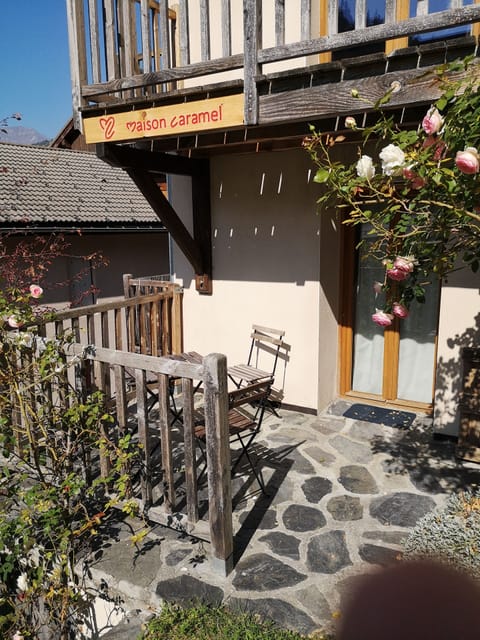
<point x="459" y="327"/>
<point x="266" y="268"/>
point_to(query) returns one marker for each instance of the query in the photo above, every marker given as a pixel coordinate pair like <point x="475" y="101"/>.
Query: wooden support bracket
<point x="203" y="283"/>
<point x="141" y="167"/>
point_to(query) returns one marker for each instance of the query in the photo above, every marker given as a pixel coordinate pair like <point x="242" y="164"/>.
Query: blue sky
<point x="34" y="64"/>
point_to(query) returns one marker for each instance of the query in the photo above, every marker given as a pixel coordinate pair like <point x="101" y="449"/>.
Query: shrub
<point x="203" y="622"/>
<point x="450" y="535"/>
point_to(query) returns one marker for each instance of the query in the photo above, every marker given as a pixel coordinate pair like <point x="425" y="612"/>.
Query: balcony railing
<point x="144" y="50"/>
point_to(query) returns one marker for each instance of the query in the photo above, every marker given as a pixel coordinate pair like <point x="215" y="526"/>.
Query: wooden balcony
<point x="279" y="61"/>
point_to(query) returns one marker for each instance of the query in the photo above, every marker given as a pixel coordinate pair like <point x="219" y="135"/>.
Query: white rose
<point x="393" y="159"/>
<point x="365" y="168"/>
<point x="22" y="582"/>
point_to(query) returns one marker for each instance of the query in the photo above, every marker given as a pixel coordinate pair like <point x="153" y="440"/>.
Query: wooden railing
<point x="167" y="490"/>
<point x="209" y="37"/>
<point x="150" y="325"/>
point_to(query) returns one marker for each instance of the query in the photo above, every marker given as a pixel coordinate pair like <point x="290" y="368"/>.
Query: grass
<point x="204" y="622"/>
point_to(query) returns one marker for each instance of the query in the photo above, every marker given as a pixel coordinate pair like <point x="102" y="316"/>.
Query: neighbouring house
<point x="47" y="190"/>
<point x="219" y="96"/>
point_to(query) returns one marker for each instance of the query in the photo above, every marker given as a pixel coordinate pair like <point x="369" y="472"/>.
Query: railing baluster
<point x="205" y="30"/>
<point x="166" y="443"/>
<point x="94" y="40"/>
<point x="279" y="22"/>
<point x="146" y="43"/>
<point x="184" y="33"/>
<point x="305" y="18"/>
<point x="252" y="43"/>
<point x="110" y="39"/>
<point x="360" y="14"/>
<point x="190" y="456"/>
<point x="165" y="58"/>
<point x="226" y="29"/>
<point x="144" y="437"/>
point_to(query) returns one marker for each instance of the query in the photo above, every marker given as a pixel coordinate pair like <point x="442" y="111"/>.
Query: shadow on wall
<point x="449" y="373"/>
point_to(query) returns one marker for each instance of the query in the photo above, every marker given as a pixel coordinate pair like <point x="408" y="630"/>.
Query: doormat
<point x="380" y="415"/>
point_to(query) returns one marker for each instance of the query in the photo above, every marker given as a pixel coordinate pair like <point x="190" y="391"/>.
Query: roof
<point x="43" y="186"/>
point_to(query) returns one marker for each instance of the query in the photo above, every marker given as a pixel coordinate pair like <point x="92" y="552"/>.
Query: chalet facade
<point x="219" y="95"/>
<point x="46" y="190"/>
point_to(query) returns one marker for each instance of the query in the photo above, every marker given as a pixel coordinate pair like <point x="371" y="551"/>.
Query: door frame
<point x="391" y="337"/>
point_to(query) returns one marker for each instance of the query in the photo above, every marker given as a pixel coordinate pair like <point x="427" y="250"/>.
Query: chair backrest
<point x="267" y="340"/>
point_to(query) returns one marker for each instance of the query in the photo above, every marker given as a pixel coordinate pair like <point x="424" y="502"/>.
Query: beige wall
<point x="266" y="269"/>
<point x="459" y="327"/>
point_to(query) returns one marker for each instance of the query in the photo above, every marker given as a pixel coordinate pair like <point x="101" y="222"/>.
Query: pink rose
<point x="468" y="161"/>
<point x="382" y="319"/>
<point x="432" y="122"/>
<point x="397" y="274"/>
<point x="350" y="122"/>
<point x="35" y="290"/>
<point x="416" y="182"/>
<point x="399" y="310"/>
<point x="404" y="263"/>
<point x="14" y="322"/>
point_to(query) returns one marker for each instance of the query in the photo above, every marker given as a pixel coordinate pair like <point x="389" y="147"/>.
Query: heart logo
<point x="108" y="126"/>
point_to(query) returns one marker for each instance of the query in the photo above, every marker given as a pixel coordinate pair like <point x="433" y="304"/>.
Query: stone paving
<point x="343" y="495"/>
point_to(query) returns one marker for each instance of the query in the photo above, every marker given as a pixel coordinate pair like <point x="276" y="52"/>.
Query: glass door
<point x="395" y="364"/>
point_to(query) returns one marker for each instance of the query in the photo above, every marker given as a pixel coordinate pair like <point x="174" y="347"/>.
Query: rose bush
<point x="416" y="188"/>
<point x="53" y="503"/>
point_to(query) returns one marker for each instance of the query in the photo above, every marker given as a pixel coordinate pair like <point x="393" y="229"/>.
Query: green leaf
<point x="322" y="175"/>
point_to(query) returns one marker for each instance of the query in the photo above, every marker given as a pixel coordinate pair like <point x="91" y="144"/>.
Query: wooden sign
<point x="188" y="117"/>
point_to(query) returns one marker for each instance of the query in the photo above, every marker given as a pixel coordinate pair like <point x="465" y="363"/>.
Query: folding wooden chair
<point x="244" y="423"/>
<point x="265" y="346"/>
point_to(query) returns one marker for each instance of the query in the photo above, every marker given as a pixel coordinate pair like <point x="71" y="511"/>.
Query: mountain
<point x="22" y="135"/>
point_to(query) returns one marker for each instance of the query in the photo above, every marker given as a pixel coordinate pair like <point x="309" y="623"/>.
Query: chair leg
<point x="256" y="472"/>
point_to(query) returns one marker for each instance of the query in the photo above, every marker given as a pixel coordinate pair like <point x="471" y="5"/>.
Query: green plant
<point x="204" y="622"/>
<point x="450" y="535"/>
<point x="417" y="189"/>
<point x="54" y="502"/>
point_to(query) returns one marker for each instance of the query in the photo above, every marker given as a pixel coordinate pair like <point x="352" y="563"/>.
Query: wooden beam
<point x="252" y="30"/>
<point x="167" y="214"/>
<point x="128" y="157"/>
<point x="138" y="164"/>
<point x="202" y="225"/>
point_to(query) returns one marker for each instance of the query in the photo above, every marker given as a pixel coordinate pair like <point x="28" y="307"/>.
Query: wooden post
<point x="252" y="30"/>
<point x="177" y="321"/>
<point x="218" y="462"/>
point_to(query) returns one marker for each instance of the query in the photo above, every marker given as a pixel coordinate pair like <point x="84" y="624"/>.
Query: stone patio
<point x="343" y="495"/>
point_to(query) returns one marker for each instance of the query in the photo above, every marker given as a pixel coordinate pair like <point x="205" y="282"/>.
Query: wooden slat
<point x="190" y="455"/>
<point x="165" y="365"/>
<point x="77" y="55"/>
<point x="94" y="40"/>
<point x="324" y="27"/>
<point x="205" y="30"/>
<point x="110" y="39"/>
<point x="252" y="30"/>
<point x="279" y="22"/>
<point x="360" y="14"/>
<point x="226" y="29"/>
<point x="184" y="36"/>
<point x="165" y="58"/>
<point x="475" y="29"/>
<point x="157" y="77"/>
<point x="144" y="437"/>
<point x="129" y="38"/>
<point x="395" y="11"/>
<point x="177" y="321"/>
<point x="306" y="17"/>
<point x="146" y="44"/>
<point x="166" y="440"/>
